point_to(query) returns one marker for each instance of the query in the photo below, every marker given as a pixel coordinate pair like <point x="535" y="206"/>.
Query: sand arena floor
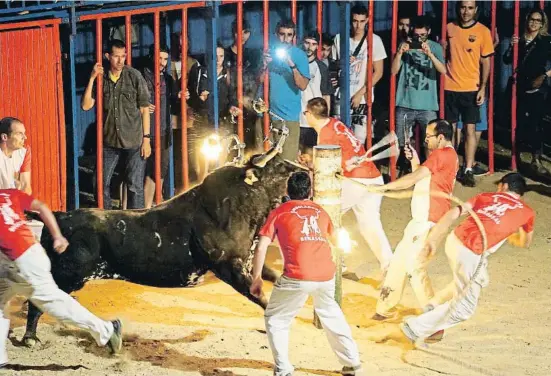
<point x="212" y="330"/>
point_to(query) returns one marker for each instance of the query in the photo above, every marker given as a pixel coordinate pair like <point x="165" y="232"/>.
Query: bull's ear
<point x="251" y="176"/>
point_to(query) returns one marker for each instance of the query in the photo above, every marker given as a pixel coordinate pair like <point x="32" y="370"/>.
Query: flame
<point x="212" y="147"/>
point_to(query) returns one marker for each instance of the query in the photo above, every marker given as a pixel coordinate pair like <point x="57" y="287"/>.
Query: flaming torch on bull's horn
<point x="212" y="147"/>
<point x="260" y="161"/>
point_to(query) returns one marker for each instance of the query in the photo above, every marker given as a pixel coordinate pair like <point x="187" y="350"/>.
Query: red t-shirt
<point x="501" y="214"/>
<point x="15" y="236"/>
<point x="443" y="164"/>
<point x="302" y="228"/>
<point x="336" y="133"/>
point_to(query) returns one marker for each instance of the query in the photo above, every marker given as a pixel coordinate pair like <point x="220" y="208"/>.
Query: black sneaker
<point x="478" y="170"/>
<point x="115" y="342"/>
<point x="460" y="174"/>
<point x="468" y="179"/>
<point x="351" y="371"/>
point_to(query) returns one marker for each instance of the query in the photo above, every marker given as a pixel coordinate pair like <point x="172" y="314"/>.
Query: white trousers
<point x="461" y="307"/>
<point x="288" y="296"/>
<point x="367" y="207"/>
<point x="30" y="276"/>
<point x="406" y="264"/>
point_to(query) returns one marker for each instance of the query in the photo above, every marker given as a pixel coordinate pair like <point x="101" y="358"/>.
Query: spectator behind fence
<point x="327" y="42"/>
<point x="358" y="67"/>
<point x="318" y="86"/>
<point x="252" y="62"/>
<point x="532" y="84"/>
<point x="417" y="62"/>
<point x="167" y="90"/>
<point x="404" y="26"/>
<point x="15" y="157"/>
<point x="126" y="128"/>
<point x="470" y="45"/>
<point x="289" y="75"/>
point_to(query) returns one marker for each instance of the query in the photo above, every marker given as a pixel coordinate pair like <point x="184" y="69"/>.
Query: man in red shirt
<point x="366" y="205"/>
<point x="25" y="270"/>
<point x="502" y="214"/>
<point x="303" y="229"/>
<point x="436" y="174"/>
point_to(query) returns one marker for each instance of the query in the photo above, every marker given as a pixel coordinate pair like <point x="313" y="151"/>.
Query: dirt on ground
<point x="212" y="330"/>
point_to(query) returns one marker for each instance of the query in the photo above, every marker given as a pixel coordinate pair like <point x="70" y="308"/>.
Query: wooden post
<point x="327" y="194"/>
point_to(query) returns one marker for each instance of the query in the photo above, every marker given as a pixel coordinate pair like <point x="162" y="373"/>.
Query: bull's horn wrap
<point x="261" y="160"/>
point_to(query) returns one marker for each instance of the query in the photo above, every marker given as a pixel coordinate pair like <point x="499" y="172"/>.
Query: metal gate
<point x="32" y="90"/>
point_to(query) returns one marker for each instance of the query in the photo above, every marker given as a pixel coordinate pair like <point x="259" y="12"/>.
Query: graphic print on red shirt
<point x="336" y="133"/>
<point x="15" y="235"/>
<point x="302" y="228"/>
<point x="501" y="214"/>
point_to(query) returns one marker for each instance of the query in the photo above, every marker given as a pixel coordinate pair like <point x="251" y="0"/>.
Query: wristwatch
<point x="293" y="67"/>
<point x="147" y="136"/>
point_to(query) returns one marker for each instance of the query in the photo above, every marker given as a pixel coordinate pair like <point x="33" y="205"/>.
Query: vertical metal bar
<point x="392" y="109"/>
<point x="493" y="24"/>
<point x="443" y="40"/>
<point x="157" y="114"/>
<point x="369" y="82"/>
<point x="128" y="38"/>
<point x="74" y="109"/>
<point x="420" y="12"/>
<point x="294" y="18"/>
<point x="420" y="7"/>
<point x="514" y="89"/>
<point x="171" y="147"/>
<point x="344" y="62"/>
<point x="99" y="115"/>
<point x="300" y="25"/>
<point x="183" y="108"/>
<point x="542" y="4"/>
<point x="211" y="53"/>
<point x="240" y="132"/>
<point x="266" y="35"/>
<point x="319" y="22"/>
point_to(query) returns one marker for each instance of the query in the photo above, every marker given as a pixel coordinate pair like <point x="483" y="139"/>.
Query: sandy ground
<point x="212" y="330"/>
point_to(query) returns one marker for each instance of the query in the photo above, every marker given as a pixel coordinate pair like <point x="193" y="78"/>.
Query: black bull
<point x="210" y="227"/>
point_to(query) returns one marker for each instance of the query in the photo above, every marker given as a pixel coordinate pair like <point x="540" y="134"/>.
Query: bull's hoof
<point x="30" y="341"/>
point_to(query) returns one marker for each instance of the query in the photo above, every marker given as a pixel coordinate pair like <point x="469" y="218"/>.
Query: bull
<point x="212" y="227"/>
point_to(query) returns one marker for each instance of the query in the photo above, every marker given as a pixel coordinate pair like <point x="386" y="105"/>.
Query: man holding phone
<point x="437" y="173"/>
<point x="417" y="64"/>
<point x="289" y="75"/>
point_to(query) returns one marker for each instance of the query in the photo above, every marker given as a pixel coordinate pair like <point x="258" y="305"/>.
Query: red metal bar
<point x="183" y="108"/>
<point x="266" y="31"/>
<point x="444" y="42"/>
<point x="134" y="12"/>
<point x="491" y="94"/>
<point x="157" y="82"/>
<point x="128" y="37"/>
<point x="99" y="116"/>
<point x="542" y="4"/>
<point x="514" y="89"/>
<point x="22" y="25"/>
<point x="392" y="109"/>
<point x="369" y="82"/>
<point x="319" y="15"/>
<point x="61" y="122"/>
<point x="420" y="7"/>
<point x="294" y="18"/>
<point x="240" y="132"/>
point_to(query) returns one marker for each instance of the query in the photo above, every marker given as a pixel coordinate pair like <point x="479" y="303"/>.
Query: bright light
<point x="281" y="53"/>
<point x="344" y="241"/>
<point x="212" y="148"/>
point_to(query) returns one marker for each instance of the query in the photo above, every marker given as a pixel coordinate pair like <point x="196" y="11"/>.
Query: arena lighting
<point x="212" y="147"/>
<point x="343" y="240"/>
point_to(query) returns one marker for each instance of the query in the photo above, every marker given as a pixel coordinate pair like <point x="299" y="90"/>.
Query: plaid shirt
<point x="122" y="119"/>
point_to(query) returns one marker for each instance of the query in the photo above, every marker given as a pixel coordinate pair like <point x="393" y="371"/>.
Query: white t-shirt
<point x="358" y="68"/>
<point x="313" y="90"/>
<point x="20" y="161"/>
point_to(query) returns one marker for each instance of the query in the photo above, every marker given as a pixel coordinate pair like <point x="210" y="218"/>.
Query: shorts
<point x="482" y="125"/>
<point x="462" y="105"/>
<point x="150" y="163"/>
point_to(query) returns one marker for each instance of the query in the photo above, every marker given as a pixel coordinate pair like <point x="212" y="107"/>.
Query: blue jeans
<point x="406" y="119"/>
<point x="133" y="175"/>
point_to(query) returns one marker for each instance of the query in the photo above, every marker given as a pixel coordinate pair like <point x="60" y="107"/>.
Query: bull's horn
<point x="263" y="159"/>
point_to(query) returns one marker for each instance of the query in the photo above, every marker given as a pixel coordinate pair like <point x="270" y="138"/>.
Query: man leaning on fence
<point x="126" y="128"/>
